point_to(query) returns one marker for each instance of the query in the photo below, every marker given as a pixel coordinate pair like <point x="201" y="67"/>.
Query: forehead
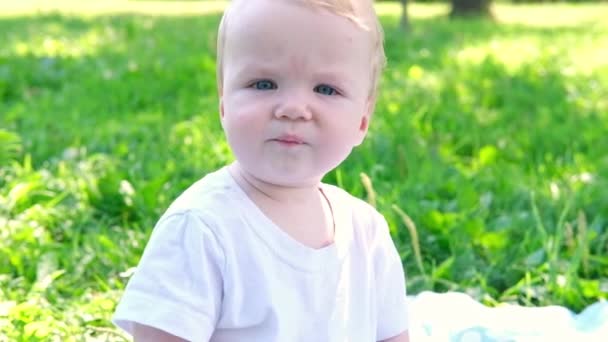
<point x="271" y="29"/>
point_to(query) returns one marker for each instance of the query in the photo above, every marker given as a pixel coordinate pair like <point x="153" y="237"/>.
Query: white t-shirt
<point x="217" y="269"/>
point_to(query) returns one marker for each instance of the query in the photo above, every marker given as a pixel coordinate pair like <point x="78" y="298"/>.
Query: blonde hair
<point x="360" y="12"/>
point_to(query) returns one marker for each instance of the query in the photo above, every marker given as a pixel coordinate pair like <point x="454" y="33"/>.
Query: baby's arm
<point x="390" y="283"/>
<point x="177" y="287"/>
<point x="403" y="337"/>
<point x="145" y="333"/>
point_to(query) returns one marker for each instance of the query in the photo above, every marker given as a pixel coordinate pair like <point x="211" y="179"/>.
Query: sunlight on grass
<point x="107" y="7"/>
<point x="63" y="44"/>
<point x="528" y="49"/>
<point x="174" y="8"/>
<point x="587" y="58"/>
<point x="415" y="10"/>
<point x="554" y="15"/>
<point x="576" y="56"/>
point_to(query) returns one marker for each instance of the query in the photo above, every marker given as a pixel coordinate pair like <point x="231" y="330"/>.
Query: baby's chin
<point x="290" y="181"/>
<point x="299" y="178"/>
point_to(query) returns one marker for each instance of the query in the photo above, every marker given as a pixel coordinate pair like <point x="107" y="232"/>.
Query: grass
<point x="487" y="154"/>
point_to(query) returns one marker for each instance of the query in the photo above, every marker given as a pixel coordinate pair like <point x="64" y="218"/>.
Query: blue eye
<point x="326" y="90"/>
<point x="264" y="85"/>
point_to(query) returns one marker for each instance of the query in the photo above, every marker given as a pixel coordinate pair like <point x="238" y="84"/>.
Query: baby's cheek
<point x="244" y="118"/>
<point x="337" y="147"/>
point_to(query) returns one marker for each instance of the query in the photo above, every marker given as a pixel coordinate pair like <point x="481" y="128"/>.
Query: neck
<point x="274" y="192"/>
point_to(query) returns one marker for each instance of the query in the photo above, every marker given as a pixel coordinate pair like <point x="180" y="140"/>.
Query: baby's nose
<point x="293" y="108"/>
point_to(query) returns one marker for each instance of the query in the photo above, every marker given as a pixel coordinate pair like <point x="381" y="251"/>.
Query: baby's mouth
<point x="289" y="140"/>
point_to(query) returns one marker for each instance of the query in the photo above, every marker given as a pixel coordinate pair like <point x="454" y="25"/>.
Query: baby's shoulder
<point x="363" y="215"/>
<point x="210" y="198"/>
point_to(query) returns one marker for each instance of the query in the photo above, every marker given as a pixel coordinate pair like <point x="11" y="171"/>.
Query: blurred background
<point x="488" y="152"/>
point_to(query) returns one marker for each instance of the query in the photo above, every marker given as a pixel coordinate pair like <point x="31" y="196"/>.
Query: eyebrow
<point x="256" y="68"/>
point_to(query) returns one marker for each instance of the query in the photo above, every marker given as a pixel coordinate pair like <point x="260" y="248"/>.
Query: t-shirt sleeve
<point x="390" y="282"/>
<point x="177" y="286"/>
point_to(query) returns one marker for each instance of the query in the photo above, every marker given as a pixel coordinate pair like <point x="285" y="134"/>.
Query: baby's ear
<point x="365" y="119"/>
<point x="220" y="95"/>
<point x="221" y="108"/>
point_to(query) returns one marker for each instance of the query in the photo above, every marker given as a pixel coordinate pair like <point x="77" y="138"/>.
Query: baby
<point x="262" y="250"/>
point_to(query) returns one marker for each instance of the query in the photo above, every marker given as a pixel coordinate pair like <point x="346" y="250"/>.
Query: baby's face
<point x="295" y="95"/>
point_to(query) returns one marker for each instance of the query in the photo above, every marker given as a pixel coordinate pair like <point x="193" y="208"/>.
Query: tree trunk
<point x="471" y="8"/>
<point x="405" y="21"/>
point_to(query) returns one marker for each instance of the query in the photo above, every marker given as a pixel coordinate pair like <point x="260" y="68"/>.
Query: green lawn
<point x="491" y="136"/>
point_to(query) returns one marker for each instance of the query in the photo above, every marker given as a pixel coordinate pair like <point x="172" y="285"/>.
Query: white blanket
<point x="456" y="317"/>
